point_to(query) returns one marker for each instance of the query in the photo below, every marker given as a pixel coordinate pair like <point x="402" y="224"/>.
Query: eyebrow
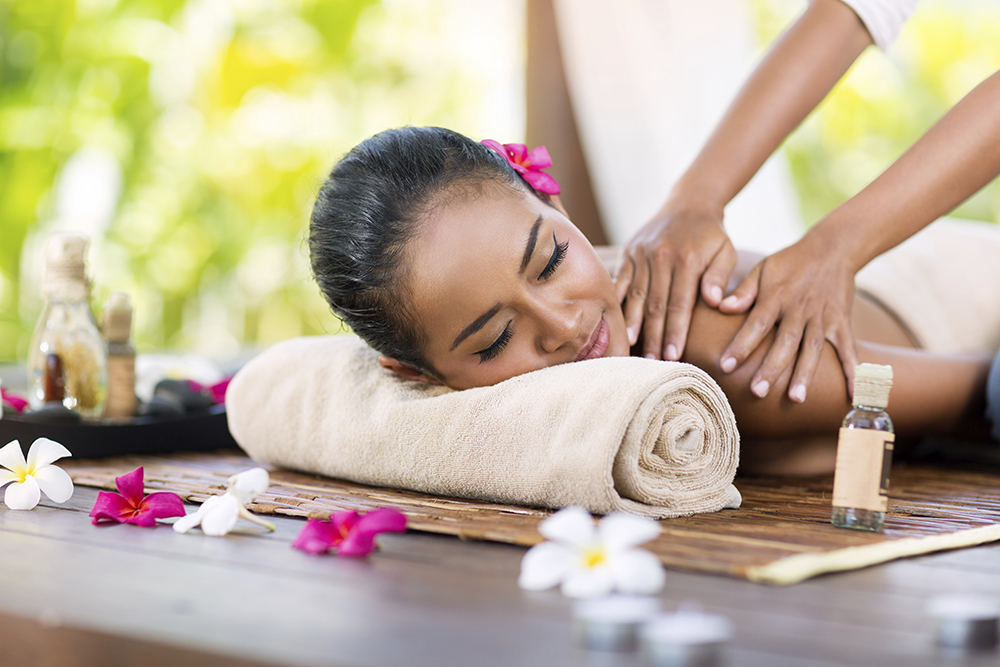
<point x="529" y="249"/>
<point x="476" y="326"/>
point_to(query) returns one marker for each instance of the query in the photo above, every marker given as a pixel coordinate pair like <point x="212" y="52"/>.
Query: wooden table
<point x="75" y="594"/>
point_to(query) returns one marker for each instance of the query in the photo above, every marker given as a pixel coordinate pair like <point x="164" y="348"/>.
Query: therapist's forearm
<point x="794" y="76"/>
<point x="952" y="161"/>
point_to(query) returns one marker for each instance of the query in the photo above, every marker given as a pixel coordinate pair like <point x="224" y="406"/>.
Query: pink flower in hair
<point x="528" y="164"/>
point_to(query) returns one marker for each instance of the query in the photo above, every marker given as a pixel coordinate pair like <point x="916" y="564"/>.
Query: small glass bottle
<point x="864" y="453"/>
<point x="66" y="331"/>
<point x="121" y="357"/>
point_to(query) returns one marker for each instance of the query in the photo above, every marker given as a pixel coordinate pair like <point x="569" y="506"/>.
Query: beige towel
<point x="943" y="284"/>
<point x="650" y="437"/>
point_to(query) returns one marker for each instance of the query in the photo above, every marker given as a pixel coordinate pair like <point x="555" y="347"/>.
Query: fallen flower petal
<point x="349" y="533"/>
<point x="13" y="400"/>
<point x="248" y="484"/>
<point x="218" y="515"/>
<point x="360" y="541"/>
<point x="24" y="495"/>
<point x="217" y="391"/>
<point x="589" y="562"/>
<point x="316" y="537"/>
<point x="129" y="505"/>
<point x="29" y="478"/>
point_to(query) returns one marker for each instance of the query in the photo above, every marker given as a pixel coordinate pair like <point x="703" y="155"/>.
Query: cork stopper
<point x="65" y="266"/>
<point x="872" y="384"/>
<point x="118" y="317"/>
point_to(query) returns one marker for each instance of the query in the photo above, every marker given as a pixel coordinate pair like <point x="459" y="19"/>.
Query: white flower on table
<point x="218" y="514"/>
<point x="29" y="478"/>
<point x="590" y="561"/>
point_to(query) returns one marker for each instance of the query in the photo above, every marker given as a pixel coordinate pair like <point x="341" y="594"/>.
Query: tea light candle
<point x="685" y="638"/>
<point x="965" y="620"/>
<point x="612" y="623"/>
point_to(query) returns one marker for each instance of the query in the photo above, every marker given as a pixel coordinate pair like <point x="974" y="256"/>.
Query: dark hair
<point x="367" y="211"/>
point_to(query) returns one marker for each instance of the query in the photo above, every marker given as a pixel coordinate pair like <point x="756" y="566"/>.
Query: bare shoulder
<point x="775" y="415"/>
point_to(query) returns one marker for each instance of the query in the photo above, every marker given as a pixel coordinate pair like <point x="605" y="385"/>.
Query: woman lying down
<point x="445" y="260"/>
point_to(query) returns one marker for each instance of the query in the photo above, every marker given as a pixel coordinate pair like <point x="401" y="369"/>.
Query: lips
<point x="598" y="343"/>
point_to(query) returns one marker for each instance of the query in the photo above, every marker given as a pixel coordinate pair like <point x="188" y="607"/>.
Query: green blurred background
<point x="189" y="137"/>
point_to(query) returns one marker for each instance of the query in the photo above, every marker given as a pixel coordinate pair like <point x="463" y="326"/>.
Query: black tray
<point x="201" y="431"/>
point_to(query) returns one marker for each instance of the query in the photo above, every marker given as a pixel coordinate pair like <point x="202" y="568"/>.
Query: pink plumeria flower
<point x="591" y="561"/>
<point x="28" y="479"/>
<point x="129" y="505"/>
<point x="217" y="391"/>
<point x="13" y="400"/>
<point x="528" y="164"/>
<point x="349" y="533"/>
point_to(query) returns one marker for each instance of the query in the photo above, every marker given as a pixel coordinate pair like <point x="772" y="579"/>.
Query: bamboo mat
<point x="781" y="534"/>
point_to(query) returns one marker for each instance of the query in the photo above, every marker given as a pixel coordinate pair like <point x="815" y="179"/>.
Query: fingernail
<point x="651" y="356"/>
<point x="728" y="364"/>
<point x="633" y="335"/>
<point x="715" y="293"/>
<point x="672" y="353"/>
<point x="798" y="393"/>
<point x="761" y="388"/>
<point x="729" y="301"/>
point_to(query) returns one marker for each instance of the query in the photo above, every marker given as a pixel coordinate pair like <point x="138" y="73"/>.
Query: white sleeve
<point x="882" y="18"/>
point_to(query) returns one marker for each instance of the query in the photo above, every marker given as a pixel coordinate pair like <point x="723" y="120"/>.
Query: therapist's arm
<point x="685" y="244"/>
<point x="807" y="288"/>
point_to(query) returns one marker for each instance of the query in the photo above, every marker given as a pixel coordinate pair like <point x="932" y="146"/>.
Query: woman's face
<point x="502" y="284"/>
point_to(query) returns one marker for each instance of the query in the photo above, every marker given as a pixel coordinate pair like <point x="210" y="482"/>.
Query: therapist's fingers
<point x="744" y="295"/>
<point x="810" y="353"/>
<point x="683" y="295"/>
<point x="716" y="276"/>
<point x="623" y="279"/>
<point x="782" y="353"/>
<point x="757" y="325"/>
<point x="661" y="278"/>
<point x="843" y="341"/>
<point x="635" y="295"/>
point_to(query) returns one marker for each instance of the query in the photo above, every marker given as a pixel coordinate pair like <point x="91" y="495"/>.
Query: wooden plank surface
<point x="779" y="518"/>
<point x="422" y="600"/>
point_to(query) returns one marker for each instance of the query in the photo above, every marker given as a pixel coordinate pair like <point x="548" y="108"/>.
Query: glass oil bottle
<point x="864" y="453"/>
<point x="66" y="340"/>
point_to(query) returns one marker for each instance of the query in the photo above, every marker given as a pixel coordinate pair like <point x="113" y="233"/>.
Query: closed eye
<point x="558" y="255"/>
<point x="498" y="345"/>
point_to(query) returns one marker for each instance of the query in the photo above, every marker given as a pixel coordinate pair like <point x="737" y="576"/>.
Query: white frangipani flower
<point x="218" y="514"/>
<point x="29" y="478"/>
<point x="590" y="561"/>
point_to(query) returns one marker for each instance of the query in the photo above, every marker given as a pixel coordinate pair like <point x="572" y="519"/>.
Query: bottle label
<point x="861" y="478"/>
<point x="121" y="387"/>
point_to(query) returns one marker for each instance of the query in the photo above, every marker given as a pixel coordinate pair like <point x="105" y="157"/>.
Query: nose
<point x="559" y="324"/>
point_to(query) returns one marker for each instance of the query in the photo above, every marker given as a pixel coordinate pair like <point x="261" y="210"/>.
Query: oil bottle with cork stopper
<point x="121" y="357"/>
<point x="67" y="361"/>
<point x="864" y="453"/>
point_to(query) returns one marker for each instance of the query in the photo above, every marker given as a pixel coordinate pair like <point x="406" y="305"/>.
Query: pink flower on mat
<point x="529" y="165"/>
<point x="217" y="391"/>
<point x="13" y="400"/>
<point x="349" y="533"/>
<point x="130" y="506"/>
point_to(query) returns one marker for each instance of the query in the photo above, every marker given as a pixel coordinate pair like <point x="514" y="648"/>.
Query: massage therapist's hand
<point x="685" y="246"/>
<point x="806" y="291"/>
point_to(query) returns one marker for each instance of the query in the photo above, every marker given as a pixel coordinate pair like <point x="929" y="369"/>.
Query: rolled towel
<point x="649" y="437"/>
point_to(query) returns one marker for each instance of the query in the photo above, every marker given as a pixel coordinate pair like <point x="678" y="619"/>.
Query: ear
<point x="405" y="371"/>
